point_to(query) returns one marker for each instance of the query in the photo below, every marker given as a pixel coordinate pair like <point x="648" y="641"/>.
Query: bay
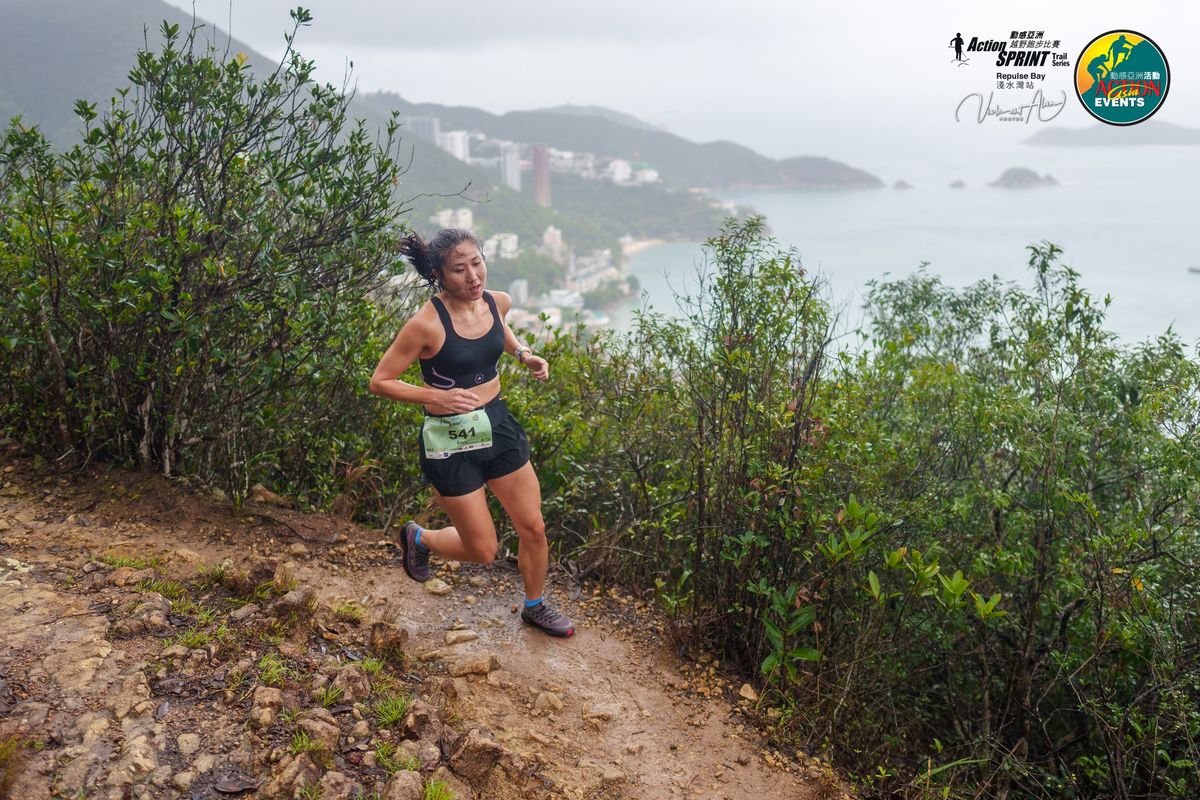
<point x="1124" y="217"/>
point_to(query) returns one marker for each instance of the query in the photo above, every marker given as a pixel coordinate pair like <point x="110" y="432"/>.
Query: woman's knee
<point x="532" y="530"/>
<point x="483" y="553"/>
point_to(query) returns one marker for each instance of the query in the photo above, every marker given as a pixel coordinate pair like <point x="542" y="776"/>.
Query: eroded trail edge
<point x="155" y="644"/>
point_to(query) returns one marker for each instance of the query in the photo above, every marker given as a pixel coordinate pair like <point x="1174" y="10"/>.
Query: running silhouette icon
<point x="957" y="44"/>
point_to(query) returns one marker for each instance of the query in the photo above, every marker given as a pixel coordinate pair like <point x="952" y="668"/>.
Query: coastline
<point x="638" y="245"/>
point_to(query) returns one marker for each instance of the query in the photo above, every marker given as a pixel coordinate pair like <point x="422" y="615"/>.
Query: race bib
<point x="445" y="436"/>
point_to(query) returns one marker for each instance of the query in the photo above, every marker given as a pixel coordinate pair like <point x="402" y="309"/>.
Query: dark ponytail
<point x="428" y="258"/>
<point x="417" y="253"/>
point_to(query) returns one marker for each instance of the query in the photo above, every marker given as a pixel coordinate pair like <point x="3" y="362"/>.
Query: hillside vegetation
<point x="78" y="50"/>
<point x="683" y="164"/>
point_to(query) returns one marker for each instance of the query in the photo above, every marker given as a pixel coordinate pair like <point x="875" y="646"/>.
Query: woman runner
<point x="468" y="438"/>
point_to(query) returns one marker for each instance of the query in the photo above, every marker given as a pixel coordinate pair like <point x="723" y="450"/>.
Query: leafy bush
<point x="964" y="558"/>
<point x="1057" y="471"/>
<point x="190" y="288"/>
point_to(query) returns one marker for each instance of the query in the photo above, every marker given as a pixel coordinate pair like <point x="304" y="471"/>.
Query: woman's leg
<point x="521" y="495"/>
<point x="472" y="535"/>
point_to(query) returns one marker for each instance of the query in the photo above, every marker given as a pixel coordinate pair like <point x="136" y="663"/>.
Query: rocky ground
<point x="157" y="644"/>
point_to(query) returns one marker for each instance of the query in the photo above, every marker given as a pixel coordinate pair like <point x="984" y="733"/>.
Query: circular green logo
<point x="1122" y="77"/>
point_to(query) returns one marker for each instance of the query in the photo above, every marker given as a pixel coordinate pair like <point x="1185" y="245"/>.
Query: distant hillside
<point x="1150" y="132"/>
<point x="80" y="49"/>
<point x="680" y="162"/>
<point x="628" y="120"/>
<point x="54" y="53"/>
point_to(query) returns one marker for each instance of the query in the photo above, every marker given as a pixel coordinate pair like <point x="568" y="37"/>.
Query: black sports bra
<point x="464" y="363"/>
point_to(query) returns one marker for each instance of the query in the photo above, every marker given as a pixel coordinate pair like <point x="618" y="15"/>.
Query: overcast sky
<point x="851" y="80"/>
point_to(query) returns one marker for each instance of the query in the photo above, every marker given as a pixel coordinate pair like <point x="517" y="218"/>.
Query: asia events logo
<point x="1122" y="77"/>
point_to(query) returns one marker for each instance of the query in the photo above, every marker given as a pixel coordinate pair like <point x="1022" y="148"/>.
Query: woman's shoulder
<point x="503" y="301"/>
<point x="424" y="322"/>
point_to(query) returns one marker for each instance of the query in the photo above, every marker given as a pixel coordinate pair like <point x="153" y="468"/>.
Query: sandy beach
<point x="638" y="245"/>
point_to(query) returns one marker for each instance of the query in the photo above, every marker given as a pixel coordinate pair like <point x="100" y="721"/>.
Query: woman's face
<point x="465" y="272"/>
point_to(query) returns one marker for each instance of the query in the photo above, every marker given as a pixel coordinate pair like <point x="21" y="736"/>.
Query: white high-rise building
<point x="502" y="245"/>
<point x="456" y="143"/>
<point x="508" y="245"/>
<point x="552" y="244"/>
<point x="454" y="218"/>
<point x="423" y="127"/>
<point x="620" y="170"/>
<point x="510" y="166"/>
<point x="647" y="175"/>
<point x="519" y="290"/>
<point x="585" y="273"/>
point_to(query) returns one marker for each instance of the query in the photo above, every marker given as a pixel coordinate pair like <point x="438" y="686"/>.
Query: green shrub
<point x="190" y="288"/>
<point x="963" y="556"/>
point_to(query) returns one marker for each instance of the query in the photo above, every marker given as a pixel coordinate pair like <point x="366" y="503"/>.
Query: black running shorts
<point x="463" y="473"/>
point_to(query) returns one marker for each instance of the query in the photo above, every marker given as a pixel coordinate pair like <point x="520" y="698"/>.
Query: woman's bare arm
<point x="400" y="355"/>
<point x="536" y="364"/>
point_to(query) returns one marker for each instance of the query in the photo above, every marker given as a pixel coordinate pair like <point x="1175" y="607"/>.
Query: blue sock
<point x="417" y="539"/>
<point x="532" y="603"/>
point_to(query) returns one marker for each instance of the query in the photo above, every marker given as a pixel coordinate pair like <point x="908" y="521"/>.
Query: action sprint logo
<point x="1021" y="65"/>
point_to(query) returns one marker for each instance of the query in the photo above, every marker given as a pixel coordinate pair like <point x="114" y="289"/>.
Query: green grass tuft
<point x="439" y="790"/>
<point x="197" y="637"/>
<point x="350" y="612"/>
<point x="213" y="575"/>
<point x="235" y="680"/>
<point x="194" y="638"/>
<point x="390" y="759"/>
<point x="129" y="561"/>
<point x="185" y="605"/>
<point x="272" y="670"/>
<point x="328" y="696"/>
<point x="391" y="708"/>
<point x="303" y="743"/>
<point x="172" y="590"/>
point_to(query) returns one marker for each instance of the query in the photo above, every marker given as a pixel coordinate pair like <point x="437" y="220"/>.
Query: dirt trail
<point x="85" y="676"/>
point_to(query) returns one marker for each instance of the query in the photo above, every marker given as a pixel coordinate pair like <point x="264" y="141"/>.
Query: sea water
<point x="1125" y="219"/>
